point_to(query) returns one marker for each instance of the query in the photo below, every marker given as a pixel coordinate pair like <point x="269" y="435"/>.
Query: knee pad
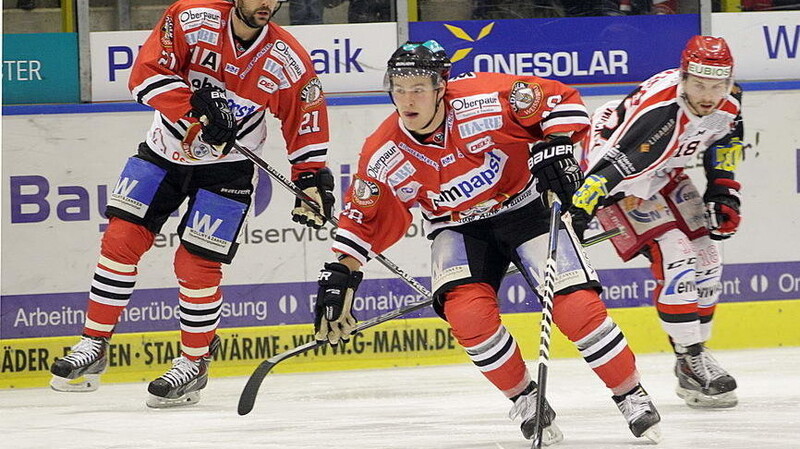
<point x="194" y="271"/>
<point x="579" y="313"/>
<point x="125" y="242"/>
<point x="472" y="312"/>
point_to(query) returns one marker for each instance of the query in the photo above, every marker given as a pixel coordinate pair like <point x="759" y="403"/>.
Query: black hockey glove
<point x="334" y="320"/>
<point x="555" y="168"/>
<point x="722" y="208"/>
<point x="220" y="129"/>
<point x="319" y="187"/>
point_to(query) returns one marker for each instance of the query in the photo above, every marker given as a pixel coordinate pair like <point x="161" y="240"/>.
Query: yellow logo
<point x="463" y="35"/>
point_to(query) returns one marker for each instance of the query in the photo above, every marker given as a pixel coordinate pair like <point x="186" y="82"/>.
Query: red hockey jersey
<point x="476" y="168"/>
<point x="193" y="46"/>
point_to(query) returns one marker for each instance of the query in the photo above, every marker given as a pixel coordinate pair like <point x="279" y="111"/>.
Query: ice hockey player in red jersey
<point x="212" y="70"/>
<point x="461" y="150"/>
<point x="635" y="179"/>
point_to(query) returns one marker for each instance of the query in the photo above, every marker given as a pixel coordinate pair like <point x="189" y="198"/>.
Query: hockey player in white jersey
<point x="634" y="163"/>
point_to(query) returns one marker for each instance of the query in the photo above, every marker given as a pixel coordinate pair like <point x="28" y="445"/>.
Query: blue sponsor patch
<point x="136" y="187"/>
<point x="214" y="221"/>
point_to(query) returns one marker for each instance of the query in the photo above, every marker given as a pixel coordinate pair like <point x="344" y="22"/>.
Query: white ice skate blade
<point x="653" y="434"/>
<point x="696" y="399"/>
<point x="552" y="435"/>
<point x="159" y="402"/>
<point x="83" y="384"/>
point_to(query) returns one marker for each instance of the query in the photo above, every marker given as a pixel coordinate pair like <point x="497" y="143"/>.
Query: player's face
<point x="705" y="94"/>
<point x="257" y="12"/>
<point x="415" y="98"/>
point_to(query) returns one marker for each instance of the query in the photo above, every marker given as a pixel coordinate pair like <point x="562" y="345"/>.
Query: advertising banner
<point x="572" y="50"/>
<point x="348" y="58"/>
<point x="40" y="68"/>
<point x="765" y="45"/>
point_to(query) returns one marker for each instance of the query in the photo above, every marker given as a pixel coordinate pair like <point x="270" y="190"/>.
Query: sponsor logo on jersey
<point x="476" y="181"/>
<point x="447" y="160"/>
<point x="385" y="159"/>
<point x="195" y="17"/>
<point x="620" y="161"/>
<point x="684" y="193"/>
<point x="365" y="193"/>
<point x="167" y="33"/>
<point x="267" y="85"/>
<point x="484" y="143"/>
<point x="232" y="69"/>
<point x="202" y="35"/>
<point x="408" y="191"/>
<point x="401" y="174"/>
<point x="525" y="98"/>
<point x="241" y="111"/>
<point x="206" y="58"/>
<point x="418" y="155"/>
<point x="681" y="285"/>
<point x="293" y="66"/>
<point x="255" y="59"/>
<point x="275" y="69"/>
<point x="480" y="125"/>
<point x="466" y="107"/>
<point x="666" y="129"/>
<point x="311" y="94"/>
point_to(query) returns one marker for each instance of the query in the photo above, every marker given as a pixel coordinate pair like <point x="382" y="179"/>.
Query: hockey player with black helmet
<point x="477" y="153"/>
<point x="635" y="179"/>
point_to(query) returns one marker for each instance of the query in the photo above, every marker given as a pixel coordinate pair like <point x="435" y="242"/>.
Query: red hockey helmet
<point x="707" y="57"/>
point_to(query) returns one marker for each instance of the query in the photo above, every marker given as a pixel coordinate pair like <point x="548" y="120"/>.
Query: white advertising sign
<point x="765" y="45"/>
<point x="348" y="58"/>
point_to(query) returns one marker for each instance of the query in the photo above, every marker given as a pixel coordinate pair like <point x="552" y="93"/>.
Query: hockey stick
<point x="590" y="241"/>
<point x="290" y="186"/>
<point x="547" y="316"/>
<point x="248" y="397"/>
<point x="250" y="391"/>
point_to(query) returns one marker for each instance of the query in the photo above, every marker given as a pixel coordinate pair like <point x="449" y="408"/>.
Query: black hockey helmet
<point x="418" y="59"/>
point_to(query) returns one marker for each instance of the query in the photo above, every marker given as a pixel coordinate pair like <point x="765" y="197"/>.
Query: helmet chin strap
<point x="435" y="109"/>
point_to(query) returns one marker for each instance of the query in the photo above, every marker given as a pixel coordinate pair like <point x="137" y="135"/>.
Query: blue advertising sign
<point x="40" y="68"/>
<point x="581" y="50"/>
<point x="59" y="314"/>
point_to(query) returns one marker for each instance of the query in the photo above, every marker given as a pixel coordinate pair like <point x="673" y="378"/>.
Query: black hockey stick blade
<point x="248" y="398"/>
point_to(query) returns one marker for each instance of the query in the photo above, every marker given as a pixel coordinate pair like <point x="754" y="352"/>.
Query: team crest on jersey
<point x="167" y="33"/>
<point x="267" y="84"/>
<point x="525" y="98"/>
<point x="365" y="193"/>
<point x="311" y="93"/>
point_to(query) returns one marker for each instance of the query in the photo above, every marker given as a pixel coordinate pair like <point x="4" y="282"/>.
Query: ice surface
<point x="424" y="407"/>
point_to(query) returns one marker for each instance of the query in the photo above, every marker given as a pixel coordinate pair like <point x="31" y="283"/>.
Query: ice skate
<point x="702" y="382"/>
<point x="80" y="370"/>
<point x="525" y="408"/>
<point x="642" y="416"/>
<point x="182" y="383"/>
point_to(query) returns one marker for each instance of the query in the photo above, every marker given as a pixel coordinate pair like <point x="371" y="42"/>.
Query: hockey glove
<point x="219" y="127"/>
<point x="555" y="168"/>
<point x="586" y="201"/>
<point x="334" y="319"/>
<point x="722" y="200"/>
<point x="319" y="187"/>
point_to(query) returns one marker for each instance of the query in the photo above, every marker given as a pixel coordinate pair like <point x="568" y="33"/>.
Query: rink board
<point x="139" y="357"/>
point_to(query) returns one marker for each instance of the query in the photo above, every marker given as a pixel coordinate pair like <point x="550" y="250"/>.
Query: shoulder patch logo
<point x="311" y="94"/>
<point x="365" y="193"/>
<point x="525" y="98"/>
